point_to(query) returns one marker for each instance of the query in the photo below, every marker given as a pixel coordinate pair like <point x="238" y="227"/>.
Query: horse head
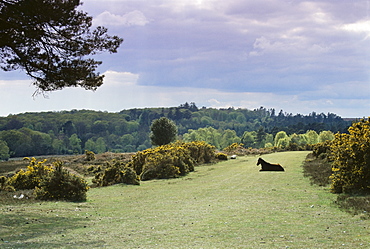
<point x="259" y="161"/>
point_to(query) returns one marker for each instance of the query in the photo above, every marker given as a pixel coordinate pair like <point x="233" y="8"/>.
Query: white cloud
<point x="121" y="91"/>
<point x="361" y="27"/>
<point x="133" y="18"/>
<point x="120" y="78"/>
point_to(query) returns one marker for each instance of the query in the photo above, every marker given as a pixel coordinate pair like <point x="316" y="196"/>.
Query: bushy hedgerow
<point x="171" y="160"/>
<point x="116" y="172"/>
<point x="221" y="156"/>
<point x="350" y="154"/>
<point x="31" y="177"/>
<point x="60" y="184"/>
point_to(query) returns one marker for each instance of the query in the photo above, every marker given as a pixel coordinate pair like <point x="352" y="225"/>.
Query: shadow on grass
<point x="22" y="229"/>
<point x="24" y="224"/>
<point x="319" y="170"/>
<point x="356" y="205"/>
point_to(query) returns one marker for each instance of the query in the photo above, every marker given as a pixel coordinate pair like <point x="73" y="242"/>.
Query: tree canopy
<point x="164" y="131"/>
<point x="50" y="133"/>
<point x="50" y="40"/>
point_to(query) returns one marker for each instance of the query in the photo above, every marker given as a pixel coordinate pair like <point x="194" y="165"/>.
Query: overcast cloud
<point x="299" y="56"/>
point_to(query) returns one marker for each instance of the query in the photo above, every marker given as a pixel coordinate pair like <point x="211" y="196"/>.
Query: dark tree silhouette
<point x="49" y="40"/>
<point x="164" y="131"/>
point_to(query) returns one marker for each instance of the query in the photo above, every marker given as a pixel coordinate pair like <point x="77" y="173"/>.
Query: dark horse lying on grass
<point x="268" y="166"/>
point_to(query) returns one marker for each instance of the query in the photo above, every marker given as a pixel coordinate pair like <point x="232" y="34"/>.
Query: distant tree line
<point x="258" y="139"/>
<point x="73" y="132"/>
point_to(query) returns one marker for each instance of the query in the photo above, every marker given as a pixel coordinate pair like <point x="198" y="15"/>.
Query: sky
<point x="290" y="55"/>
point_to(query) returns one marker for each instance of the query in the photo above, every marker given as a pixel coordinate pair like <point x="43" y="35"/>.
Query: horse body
<point x="265" y="166"/>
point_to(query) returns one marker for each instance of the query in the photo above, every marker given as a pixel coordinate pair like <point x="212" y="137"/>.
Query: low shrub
<point x="116" y="172"/>
<point x="221" y="156"/>
<point x="60" y="184"/>
<point x="128" y="176"/>
<point x="89" y="155"/>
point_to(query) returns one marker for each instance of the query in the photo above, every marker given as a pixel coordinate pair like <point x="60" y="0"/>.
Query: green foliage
<point x="75" y="143"/>
<point x="61" y="185"/>
<point x="218" y="138"/>
<point x="49" y="133"/>
<point x="350" y="154"/>
<point x="249" y="139"/>
<point x="163" y="131"/>
<point x="4" y="151"/>
<point x="280" y="136"/>
<point x="312" y="137"/>
<point x="326" y="136"/>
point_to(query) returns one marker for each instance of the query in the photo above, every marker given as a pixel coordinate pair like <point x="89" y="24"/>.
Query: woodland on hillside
<point x="73" y="132"/>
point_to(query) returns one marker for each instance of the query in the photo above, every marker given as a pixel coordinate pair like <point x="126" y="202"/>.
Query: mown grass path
<point x="225" y="205"/>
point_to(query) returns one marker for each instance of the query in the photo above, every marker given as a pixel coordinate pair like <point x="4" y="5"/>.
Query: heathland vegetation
<point x="73" y="132"/>
<point x="217" y="204"/>
<point x="224" y="205"/>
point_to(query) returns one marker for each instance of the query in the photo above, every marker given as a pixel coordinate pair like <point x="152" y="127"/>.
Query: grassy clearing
<point x="225" y="205"/>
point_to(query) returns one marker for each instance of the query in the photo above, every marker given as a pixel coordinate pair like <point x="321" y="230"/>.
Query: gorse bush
<point x="60" y="184"/>
<point x="30" y="178"/>
<point x="200" y="151"/>
<point x="233" y="147"/>
<point x="159" y="166"/>
<point x="49" y="182"/>
<point x="116" y="172"/>
<point x="171" y="160"/>
<point x="322" y="150"/>
<point x="350" y="154"/>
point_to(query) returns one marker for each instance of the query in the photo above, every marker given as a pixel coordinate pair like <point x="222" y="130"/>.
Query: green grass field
<point x="225" y="205"/>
